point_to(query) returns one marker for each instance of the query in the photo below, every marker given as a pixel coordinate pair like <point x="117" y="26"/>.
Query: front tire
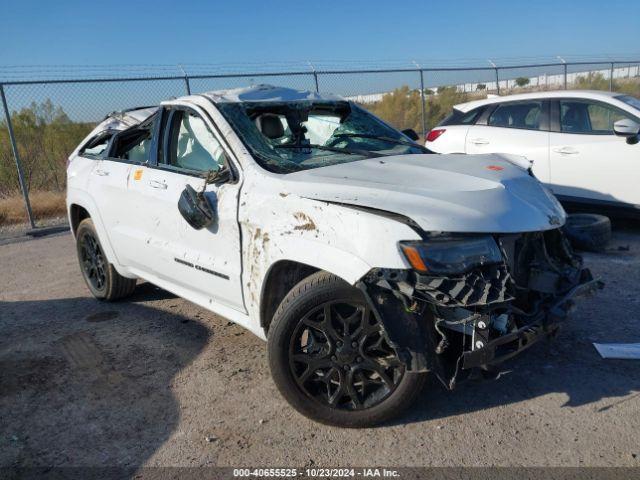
<point x="104" y="282"/>
<point x="330" y="358"/>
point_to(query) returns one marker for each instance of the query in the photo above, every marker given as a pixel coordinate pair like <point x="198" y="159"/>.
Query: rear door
<point x="449" y="136"/>
<point x="588" y="161"/>
<point x="128" y="150"/>
<point x="107" y="185"/>
<point x="519" y="128"/>
<point x="203" y="262"/>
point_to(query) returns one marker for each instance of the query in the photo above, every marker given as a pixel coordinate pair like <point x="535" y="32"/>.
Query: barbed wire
<point x="60" y="71"/>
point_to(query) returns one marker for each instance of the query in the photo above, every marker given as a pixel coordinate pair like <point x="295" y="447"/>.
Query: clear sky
<point x="251" y="32"/>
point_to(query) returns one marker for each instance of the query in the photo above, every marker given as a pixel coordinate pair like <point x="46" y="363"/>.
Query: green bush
<point x="45" y="136"/>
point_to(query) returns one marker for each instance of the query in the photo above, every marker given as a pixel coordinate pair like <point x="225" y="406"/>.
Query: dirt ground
<point x="157" y="381"/>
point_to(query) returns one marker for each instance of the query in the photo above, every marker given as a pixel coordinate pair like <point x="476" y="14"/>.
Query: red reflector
<point x="434" y="134"/>
<point x="495" y="168"/>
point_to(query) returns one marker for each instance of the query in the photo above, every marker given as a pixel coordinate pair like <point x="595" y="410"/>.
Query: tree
<point x="45" y="136"/>
<point x="522" y="81"/>
<point x="481" y="86"/>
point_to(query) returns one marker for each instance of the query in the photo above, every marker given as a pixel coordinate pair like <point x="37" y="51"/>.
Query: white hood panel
<point x="450" y="193"/>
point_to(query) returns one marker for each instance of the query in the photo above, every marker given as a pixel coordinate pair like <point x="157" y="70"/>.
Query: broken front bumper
<point x="545" y="324"/>
<point x="478" y="319"/>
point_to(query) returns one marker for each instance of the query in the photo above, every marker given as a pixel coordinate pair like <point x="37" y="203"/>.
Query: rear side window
<point x="589" y="118"/>
<point x="97" y="146"/>
<point x="526" y="115"/>
<point x="462" y="118"/>
<point x="133" y="145"/>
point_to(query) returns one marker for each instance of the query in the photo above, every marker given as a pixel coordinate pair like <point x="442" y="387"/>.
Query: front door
<point x="204" y="262"/>
<point x="588" y="161"/>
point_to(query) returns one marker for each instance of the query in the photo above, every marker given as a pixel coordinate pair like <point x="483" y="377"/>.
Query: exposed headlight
<point x="445" y="256"/>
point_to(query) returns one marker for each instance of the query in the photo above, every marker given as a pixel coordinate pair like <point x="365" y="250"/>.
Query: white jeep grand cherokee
<point x="364" y="260"/>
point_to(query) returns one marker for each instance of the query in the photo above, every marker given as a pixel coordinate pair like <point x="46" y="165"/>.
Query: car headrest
<point x="270" y="125"/>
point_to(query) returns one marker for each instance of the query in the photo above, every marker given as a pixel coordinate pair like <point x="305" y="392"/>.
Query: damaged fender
<point x="317" y="234"/>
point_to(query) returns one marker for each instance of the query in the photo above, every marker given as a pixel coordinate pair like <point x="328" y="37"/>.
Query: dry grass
<point x="43" y="204"/>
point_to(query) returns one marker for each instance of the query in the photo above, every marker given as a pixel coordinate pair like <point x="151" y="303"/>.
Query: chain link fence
<point x="42" y="121"/>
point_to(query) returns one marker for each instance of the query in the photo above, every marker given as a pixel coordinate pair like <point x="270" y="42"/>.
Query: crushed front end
<point x="471" y="302"/>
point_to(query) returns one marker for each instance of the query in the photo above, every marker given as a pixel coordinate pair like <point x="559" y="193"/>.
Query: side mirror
<point x="196" y="209"/>
<point x="626" y="128"/>
<point x="411" y="133"/>
<point x="217" y="177"/>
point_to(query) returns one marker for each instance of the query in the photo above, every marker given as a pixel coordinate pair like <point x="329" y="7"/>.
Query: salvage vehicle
<point x="366" y="261"/>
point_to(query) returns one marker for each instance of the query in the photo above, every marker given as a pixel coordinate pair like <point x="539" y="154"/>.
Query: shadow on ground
<point x="89" y="383"/>
<point x="583" y="380"/>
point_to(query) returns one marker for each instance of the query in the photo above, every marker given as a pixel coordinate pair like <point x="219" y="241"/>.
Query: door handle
<point x="102" y="173"/>
<point x="479" y="141"/>
<point x="157" y="184"/>
<point x="566" y="151"/>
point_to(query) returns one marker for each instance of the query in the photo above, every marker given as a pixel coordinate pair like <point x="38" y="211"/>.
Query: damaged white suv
<point x="364" y="260"/>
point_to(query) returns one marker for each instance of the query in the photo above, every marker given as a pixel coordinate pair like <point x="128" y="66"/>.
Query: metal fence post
<point x="611" y="79"/>
<point x="315" y="77"/>
<point x="424" y="104"/>
<point x="186" y="79"/>
<point x="16" y="156"/>
<point x="497" y="77"/>
<point x="564" y="64"/>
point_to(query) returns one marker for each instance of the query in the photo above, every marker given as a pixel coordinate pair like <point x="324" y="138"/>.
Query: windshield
<point x="292" y="136"/>
<point x="629" y="100"/>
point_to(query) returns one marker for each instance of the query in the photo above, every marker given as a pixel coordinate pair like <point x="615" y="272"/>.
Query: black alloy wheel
<point x="340" y="357"/>
<point x="330" y="357"/>
<point x="92" y="261"/>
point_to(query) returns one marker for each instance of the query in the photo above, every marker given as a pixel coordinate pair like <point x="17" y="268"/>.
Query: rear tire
<point x="339" y="371"/>
<point x="588" y="232"/>
<point x="104" y="282"/>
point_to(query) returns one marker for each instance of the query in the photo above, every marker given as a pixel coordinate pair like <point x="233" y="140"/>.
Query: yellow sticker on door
<point x="137" y="174"/>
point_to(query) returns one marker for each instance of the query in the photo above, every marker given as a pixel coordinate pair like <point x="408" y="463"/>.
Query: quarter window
<point x="133" y="144"/>
<point x="525" y="115"/>
<point x="588" y="117"/>
<point x="192" y="145"/>
<point x="97" y="146"/>
<point x="460" y="118"/>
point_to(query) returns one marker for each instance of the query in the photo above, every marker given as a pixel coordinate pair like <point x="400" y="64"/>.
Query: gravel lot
<point x="146" y="381"/>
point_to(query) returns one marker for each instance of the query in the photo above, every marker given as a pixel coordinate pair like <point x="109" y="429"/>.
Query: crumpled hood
<point x="450" y="193"/>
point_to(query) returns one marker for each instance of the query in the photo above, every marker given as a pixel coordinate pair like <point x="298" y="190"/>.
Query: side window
<point x="97" y="146"/>
<point x="588" y="117"/>
<point x="527" y="115"/>
<point x="460" y="118"/>
<point x="133" y="144"/>
<point x="192" y="146"/>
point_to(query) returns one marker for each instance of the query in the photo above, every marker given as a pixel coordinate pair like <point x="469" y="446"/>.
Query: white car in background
<point x="583" y="144"/>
